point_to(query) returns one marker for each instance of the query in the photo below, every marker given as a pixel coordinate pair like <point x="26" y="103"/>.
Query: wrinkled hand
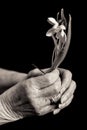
<point x="33" y="96"/>
<point x="67" y="89"/>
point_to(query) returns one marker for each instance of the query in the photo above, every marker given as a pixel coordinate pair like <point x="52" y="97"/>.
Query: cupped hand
<point x="31" y="96"/>
<point x="65" y="92"/>
<point x="38" y="95"/>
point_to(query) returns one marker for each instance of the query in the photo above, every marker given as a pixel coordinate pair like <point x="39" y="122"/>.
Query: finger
<point x="66" y="77"/>
<point x="61" y="106"/>
<point x="68" y="92"/>
<point x="45" y="80"/>
<point x="52" y="91"/>
<point x="46" y="110"/>
<point x="56" y="111"/>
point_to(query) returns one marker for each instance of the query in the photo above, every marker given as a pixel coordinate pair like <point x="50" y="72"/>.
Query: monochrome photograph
<point x="42" y="65"/>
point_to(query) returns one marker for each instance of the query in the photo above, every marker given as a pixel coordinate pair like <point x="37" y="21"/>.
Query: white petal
<point x="50" y="32"/>
<point x="52" y="21"/>
<point x="63" y="37"/>
<point x="62" y="33"/>
<point x="55" y="26"/>
<point x="62" y="27"/>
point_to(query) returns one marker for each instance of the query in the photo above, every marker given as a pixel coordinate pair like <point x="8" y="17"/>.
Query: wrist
<point x="10" y="78"/>
<point x="7" y="114"/>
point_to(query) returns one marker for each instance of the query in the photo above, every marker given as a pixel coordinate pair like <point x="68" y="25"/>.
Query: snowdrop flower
<point x="56" y="29"/>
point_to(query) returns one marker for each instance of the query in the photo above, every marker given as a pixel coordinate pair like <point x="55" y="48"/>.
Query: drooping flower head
<point x="58" y="29"/>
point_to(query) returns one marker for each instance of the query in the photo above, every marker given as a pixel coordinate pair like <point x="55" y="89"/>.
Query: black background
<point x="23" y="42"/>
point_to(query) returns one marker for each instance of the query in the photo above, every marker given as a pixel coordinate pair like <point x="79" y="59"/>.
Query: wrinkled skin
<point x="32" y="96"/>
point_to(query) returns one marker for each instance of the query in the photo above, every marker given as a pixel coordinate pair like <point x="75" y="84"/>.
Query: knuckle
<point x="69" y="74"/>
<point x="34" y="71"/>
<point x="74" y="84"/>
<point x="37" y="109"/>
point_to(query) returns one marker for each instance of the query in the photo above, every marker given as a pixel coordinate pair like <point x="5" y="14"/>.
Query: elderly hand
<point x="34" y="96"/>
<point x="67" y="89"/>
<point x="30" y="97"/>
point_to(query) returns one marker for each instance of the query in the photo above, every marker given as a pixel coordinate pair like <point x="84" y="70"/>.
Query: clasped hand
<point x="39" y="94"/>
